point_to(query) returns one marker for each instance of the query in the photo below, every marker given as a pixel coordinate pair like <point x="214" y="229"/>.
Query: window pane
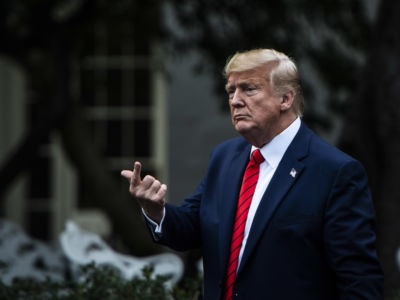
<point x="148" y="171"/>
<point x="142" y="88"/>
<point x="88" y="87"/>
<point x="39" y="225"/>
<point x="142" y="138"/>
<point x="37" y="112"/>
<point x="114" y="87"/>
<point x="114" y="38"/>
<point x="114" y="139"/>
<point x="85" y="201"/>
<point x="39" y="181"/>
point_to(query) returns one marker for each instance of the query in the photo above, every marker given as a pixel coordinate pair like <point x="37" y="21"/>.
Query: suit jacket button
<point x="235" y="294"/>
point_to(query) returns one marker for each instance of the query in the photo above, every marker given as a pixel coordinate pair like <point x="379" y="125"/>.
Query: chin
<point x="242" y="129"/>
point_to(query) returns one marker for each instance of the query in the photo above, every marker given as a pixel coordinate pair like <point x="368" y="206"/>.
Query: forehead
<point x="250" y="76"/>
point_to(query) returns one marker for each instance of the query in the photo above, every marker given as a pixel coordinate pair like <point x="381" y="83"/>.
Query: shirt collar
<point x="276" y="148"/>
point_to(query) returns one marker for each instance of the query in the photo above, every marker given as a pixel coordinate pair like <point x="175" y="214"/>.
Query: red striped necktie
<point x="249" y="184"/>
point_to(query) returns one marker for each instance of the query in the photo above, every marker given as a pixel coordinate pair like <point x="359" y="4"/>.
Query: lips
<point x="239" y="117"/>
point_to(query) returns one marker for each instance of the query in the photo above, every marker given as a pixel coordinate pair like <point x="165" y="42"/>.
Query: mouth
<point x="239" y="117"/>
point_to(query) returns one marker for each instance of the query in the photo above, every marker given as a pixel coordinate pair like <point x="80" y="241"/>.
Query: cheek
<point x="265" y="114"/>
<point x="231" y="108"/>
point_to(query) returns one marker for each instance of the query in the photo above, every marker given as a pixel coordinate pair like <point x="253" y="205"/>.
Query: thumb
<point x="127" y="174"/>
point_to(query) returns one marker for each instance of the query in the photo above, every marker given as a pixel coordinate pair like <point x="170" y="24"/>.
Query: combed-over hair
<point x="283" y="76"/>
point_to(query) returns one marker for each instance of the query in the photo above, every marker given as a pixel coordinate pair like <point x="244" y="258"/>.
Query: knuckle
<point x="132" y="189"/>
<point x="144" y="195"/>
<point x="162" y="194"/>
<point x="156" y="185"/>
<point x="156" y="199"/>
<point x="138" y="193"/>
<point x="149" y="178"/>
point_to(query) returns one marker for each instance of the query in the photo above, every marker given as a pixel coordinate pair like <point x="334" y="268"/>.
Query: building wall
<point x="12" y="129"/>
<point x="196" y="126"/>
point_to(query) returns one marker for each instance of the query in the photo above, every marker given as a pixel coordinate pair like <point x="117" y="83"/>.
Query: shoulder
<point x="231" y="151"/>
<point x="326" y="154"/>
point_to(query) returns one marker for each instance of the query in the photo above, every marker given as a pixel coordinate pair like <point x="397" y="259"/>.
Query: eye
<point x="230" y="93"/>
<point x="250" y="89"/>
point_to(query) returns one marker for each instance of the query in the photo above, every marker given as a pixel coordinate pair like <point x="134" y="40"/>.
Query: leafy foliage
<point x="328" y="39"/>
<point x="102" y="283"/>
<point x="50" y="41"/>
<point x="396" y="296"/>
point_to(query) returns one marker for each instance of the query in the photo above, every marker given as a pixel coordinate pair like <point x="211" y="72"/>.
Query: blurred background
<point x="87" y="87"/>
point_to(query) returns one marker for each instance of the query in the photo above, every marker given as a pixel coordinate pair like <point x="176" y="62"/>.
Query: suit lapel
<point x="288" y="172"/>
<point x="228" y="201"/>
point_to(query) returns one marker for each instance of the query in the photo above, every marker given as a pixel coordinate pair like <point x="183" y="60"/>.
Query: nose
<point x="237" y="99"/>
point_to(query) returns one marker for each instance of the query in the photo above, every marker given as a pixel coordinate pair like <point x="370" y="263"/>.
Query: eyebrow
<point x="228" y="86"/>
<point x="243" y="83"/>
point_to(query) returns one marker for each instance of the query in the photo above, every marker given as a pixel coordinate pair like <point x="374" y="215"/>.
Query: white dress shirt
<point x="272" y="153"/>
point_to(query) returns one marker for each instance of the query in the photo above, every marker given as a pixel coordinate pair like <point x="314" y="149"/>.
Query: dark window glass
<point x="114" y="38"/>
<point x="142" y="88"/>
<point x="92" y="128"/>
<point x="127" y="85"/>
<point x="39" y="181"/>
<point x="85" y="201"/>
<point x="98" y="133"/>
<point x="88" y="87"/>
<point x="38" y="112"/>
<point x="148" y="171"/>
<point x="142" y="42"/>
<point x="114" y="138"/>
<point x="39" y="225"/>
<point x="142" y="138"/>
<point x="114" y="87"/>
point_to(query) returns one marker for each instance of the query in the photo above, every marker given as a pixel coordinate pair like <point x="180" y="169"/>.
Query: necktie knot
<point x="257" y="157"/>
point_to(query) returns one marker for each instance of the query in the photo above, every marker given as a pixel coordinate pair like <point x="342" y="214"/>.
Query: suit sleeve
<point x="181" y="226"/>
<point x="349" y="235"/>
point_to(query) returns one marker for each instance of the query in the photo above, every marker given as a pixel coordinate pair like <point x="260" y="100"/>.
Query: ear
<point x="287" y="101"/>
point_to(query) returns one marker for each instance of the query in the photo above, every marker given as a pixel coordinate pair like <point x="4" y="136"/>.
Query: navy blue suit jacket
<point x="312" y="236"/>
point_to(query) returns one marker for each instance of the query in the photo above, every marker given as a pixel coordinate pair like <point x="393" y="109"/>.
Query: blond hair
<point x="283" y="75"/>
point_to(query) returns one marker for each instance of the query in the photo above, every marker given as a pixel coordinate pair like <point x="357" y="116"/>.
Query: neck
<point x="259" y="139"/>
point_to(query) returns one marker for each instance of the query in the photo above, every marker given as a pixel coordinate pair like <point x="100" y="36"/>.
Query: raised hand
<point x="149" y="192"/>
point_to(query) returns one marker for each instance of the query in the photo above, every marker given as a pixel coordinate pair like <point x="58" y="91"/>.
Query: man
<point x="280" y="214"/>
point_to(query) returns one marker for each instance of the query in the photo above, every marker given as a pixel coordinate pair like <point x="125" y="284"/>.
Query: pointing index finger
<point x="135" y="180"/>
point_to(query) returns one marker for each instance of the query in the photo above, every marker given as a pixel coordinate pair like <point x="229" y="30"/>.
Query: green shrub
<point x="396" y="296"/>
<point x="105" y="284"/>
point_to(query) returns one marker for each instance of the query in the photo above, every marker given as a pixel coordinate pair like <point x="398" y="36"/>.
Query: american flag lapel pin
<point x="293" y="173"/>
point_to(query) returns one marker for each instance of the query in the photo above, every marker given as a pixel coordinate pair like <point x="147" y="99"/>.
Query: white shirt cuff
<point x="157" y="227"/>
